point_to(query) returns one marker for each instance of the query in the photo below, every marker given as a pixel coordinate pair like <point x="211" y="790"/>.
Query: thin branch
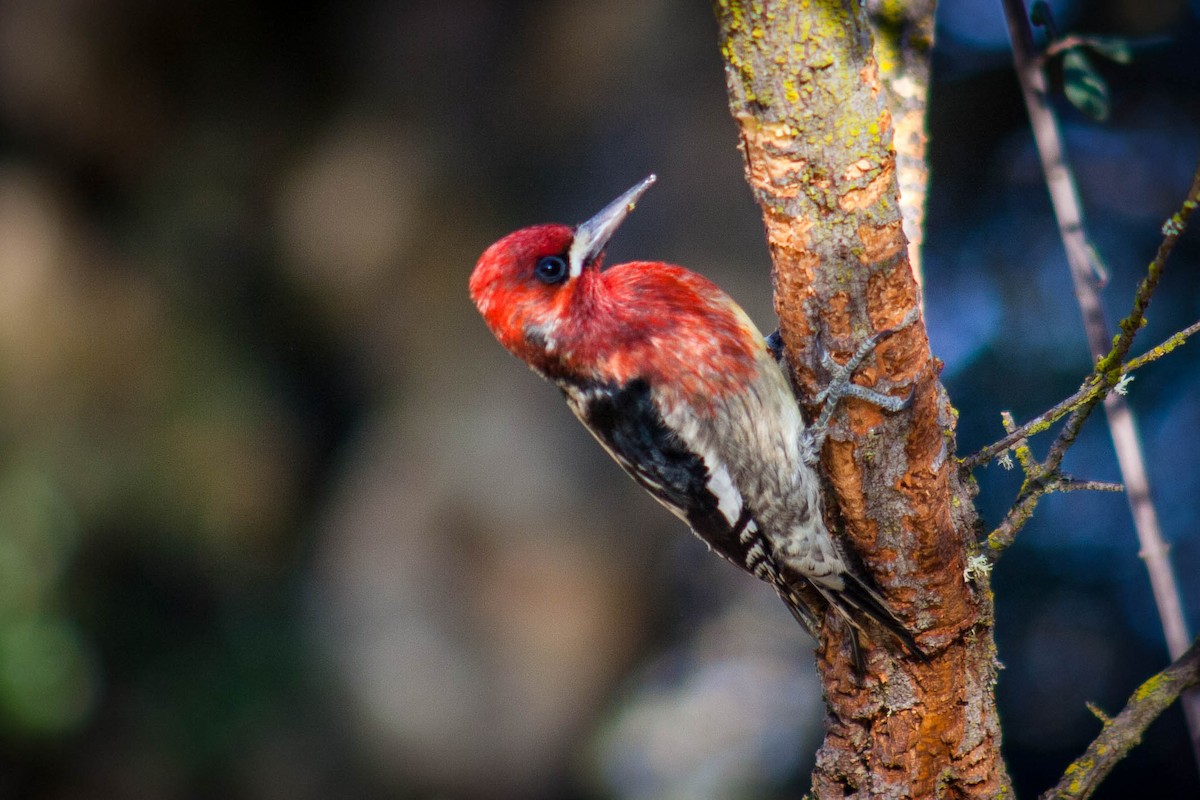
<point x="1109" y="366"/>
<point x="1037" y="483"/>
<point x="1108" y="370"/>
<point x="1067" y="209"/>
<point x="1172" y="229"/>
<point x="1044" y="477"/>
<point x="999" y="539"/>
<point x="1120" y="734"/>
<point x="1070" y="484"/>
<point x="1158" y="352"/>
<point x="1020" y="447"/>
<point x="1004" y="534"/>
<point x="1092" y="390"/>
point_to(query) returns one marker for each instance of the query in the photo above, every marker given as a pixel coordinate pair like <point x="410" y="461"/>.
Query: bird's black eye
<point x="551" y="269"/>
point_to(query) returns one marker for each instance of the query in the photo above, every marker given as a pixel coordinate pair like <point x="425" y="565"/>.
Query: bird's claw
<point x="841" y="386"/>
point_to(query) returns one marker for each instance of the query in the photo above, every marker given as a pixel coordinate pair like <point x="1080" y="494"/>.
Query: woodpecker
<point x="672" y="378"/>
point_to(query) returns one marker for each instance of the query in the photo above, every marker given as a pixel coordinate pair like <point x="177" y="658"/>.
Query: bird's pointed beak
<point x="593" y="235"/>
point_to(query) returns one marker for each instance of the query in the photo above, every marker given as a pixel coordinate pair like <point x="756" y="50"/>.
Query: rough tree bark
<point x="903" y="47"/>
<point x="804" y="89"/>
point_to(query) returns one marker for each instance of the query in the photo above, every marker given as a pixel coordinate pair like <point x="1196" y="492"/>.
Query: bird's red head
<point x="528" y="284"/>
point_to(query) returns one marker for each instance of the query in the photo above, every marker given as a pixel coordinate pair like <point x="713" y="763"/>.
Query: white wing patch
<point x="749" y="533"/>
<point x="729" y="499"/>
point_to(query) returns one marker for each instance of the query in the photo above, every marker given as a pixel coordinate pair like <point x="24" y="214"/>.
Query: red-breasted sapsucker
<point x="679" y="386"/>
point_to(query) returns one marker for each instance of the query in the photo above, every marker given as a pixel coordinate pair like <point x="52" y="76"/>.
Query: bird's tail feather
<point x="858" y="599"/>
<point x="801" y="611"/>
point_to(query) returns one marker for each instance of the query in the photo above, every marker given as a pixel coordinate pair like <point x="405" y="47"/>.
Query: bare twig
<point x="1109" y="371"/>
<point x="1067" y="208"/>
<point x="1021" y="446"/>
<point x="1070" y="484"/>
<point x="1038" y="482"/>
<point x="1092" y="390"/>
<point x="1120" y="734"/>
<point x="1172" y="229"/>
<point x="1158" y="352"/>
<point x="1004" y="534"/>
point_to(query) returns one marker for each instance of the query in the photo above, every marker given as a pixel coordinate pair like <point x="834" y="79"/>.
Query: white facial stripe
<point x="577" y="255"/>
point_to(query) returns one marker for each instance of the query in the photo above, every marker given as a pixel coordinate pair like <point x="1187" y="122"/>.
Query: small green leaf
<point x="1118" y="50"/>
<point x="1084" y="87"/>
<point x="1040" y="14"/>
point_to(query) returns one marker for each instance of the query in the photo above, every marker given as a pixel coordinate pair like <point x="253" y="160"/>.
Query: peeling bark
<point x="903" y="44"/>
<point x="817" y="136"/>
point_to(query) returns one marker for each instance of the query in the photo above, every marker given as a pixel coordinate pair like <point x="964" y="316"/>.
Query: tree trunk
<point x="817" y="135"/>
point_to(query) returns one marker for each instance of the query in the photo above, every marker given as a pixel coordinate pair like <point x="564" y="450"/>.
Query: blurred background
<point x="279" y="519"/>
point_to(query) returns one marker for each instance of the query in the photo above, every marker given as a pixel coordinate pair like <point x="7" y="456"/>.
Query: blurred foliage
<point x="277" y="517"/>
<point x="1083" y="86"/>
<point x="46" y="675"/>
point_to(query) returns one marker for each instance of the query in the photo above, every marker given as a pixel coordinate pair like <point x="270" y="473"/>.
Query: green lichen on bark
<point x="787" y="63"/>
<point x="1121" y="733"/>
<point x="816" y="132"/>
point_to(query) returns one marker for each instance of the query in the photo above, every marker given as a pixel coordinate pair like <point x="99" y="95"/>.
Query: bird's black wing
<point x="628" y="424"/>
<point x="625" y="420"/>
